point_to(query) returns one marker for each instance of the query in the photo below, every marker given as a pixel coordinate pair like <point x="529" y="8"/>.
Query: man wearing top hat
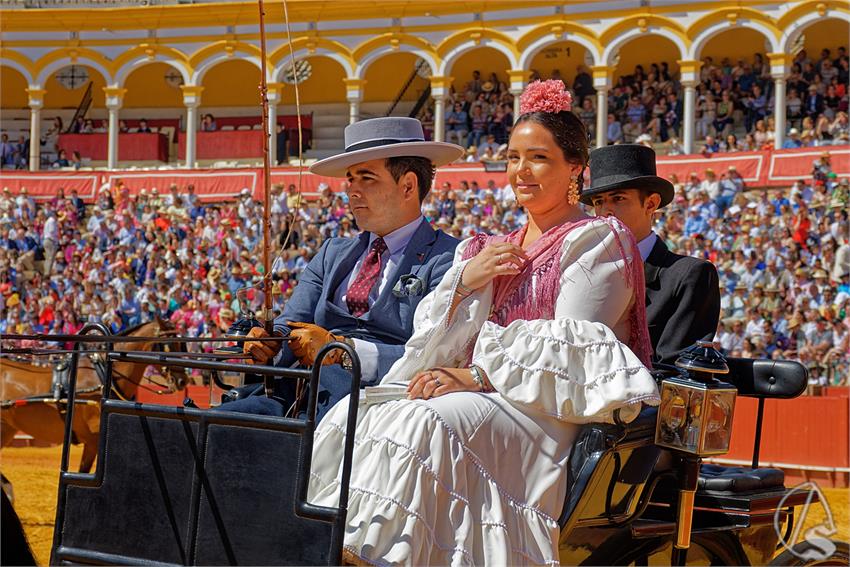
<point x="365" y="290"/>
<point x="682" y="293"/>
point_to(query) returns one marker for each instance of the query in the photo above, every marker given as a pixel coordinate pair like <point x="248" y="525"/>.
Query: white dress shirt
<point x="646" y="245"/>
<point x="396" y="242"/>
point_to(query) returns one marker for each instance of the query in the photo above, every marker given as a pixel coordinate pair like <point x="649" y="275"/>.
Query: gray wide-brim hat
<point x="381" y="138"/>
<point x="625" y="166"/>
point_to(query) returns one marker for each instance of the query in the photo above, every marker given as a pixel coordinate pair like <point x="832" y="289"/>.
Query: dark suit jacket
<point x="389" y="322"/>
<point x="682" y="301"/>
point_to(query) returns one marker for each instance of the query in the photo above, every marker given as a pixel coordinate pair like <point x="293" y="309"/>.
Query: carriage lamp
<point x="696" y="410"/>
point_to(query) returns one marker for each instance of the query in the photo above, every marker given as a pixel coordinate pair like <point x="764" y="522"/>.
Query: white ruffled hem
<point x="421" y="498"/>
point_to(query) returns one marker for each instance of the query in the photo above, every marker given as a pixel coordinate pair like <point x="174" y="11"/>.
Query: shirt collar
<point x="646" y="245"/>
<point x="397" y="240"/>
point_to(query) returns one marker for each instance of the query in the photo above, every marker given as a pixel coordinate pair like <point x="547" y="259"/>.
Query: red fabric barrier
<point x="213" y="184"/>
<point x="228" y="144"/>
<point x="131" y="147"/>
<point x="787" y="166"/>
<point x="288" y="120"/>
<point x="751" y="165"/>
<point x="759" y="169"/>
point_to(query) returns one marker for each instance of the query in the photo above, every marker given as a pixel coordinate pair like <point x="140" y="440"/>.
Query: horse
<point x="22" y="384"/>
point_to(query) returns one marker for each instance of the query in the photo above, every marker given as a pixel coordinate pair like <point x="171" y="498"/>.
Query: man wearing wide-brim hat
<point x="682" y="293"/>
<point x="364" y="290"/>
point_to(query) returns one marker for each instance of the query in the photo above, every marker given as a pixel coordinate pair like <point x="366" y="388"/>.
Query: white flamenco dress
<point x="479" y="478"/>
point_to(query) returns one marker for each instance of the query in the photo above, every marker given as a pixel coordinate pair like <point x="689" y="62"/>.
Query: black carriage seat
<point x="717" y="478"/>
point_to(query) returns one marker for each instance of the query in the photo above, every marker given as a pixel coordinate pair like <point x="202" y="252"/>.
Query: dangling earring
<point x="572" y="191"/>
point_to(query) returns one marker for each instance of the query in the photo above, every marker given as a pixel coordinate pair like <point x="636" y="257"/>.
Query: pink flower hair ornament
<point x="545" y="96"/>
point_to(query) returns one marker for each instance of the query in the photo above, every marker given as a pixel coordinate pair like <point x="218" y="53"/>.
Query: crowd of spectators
<point x="782" y="255"/>
<point x="733" y="112"/>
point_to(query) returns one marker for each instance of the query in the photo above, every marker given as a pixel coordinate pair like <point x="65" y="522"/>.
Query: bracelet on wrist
<point x="478" y="377"/>
<point x="463" y="290"/>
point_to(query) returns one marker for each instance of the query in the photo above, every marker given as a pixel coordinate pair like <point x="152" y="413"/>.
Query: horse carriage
<point x="186" y="486"/>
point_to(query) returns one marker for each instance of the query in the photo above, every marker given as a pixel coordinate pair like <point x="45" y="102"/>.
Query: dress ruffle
<point x="430" y="490"/>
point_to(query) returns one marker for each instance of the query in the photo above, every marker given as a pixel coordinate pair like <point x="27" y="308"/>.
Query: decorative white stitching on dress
<point x="471" y="454"/>
<point x="608" y="342"/>
<point x="413" y="513"/>
<point x="467" y="453"/>
<point x="360" y="440"/>
<point x="558" y="372"/>
<point x="430" y="529"/>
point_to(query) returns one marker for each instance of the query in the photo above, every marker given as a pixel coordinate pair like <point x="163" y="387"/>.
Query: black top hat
<point x="625" y="166"/>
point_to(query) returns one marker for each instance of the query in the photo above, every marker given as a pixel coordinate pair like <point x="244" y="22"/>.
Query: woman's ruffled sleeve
<point x="575" y="367"/>
<point x="436" y="340"/>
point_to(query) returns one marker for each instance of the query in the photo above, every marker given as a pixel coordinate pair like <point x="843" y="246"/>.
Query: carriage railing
<point x="306" y="428"/>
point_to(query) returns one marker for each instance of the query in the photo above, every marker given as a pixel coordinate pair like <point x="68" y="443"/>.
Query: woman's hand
<point x="438" y="381"/>
<point x="502" y="259"/>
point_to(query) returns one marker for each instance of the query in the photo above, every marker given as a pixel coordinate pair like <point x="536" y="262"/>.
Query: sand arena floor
<point x="34" y="474"/>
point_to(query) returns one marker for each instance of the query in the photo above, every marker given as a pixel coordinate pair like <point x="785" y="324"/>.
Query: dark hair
<point x="569" y="133"/>
<point x="420" y="166"/>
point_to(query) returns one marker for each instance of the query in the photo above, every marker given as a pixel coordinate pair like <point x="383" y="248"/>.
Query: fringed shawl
<point x="533" y="293"/>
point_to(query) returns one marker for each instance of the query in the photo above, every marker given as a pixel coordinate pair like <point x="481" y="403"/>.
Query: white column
<point x="354" y="94"/>
<point x="353" y="110"/>
<point x="191" y="99"/>
<point x="516" y="94"/>
<point x="779" y="111"/>
<point x="191" y="134"/>
<point x="601" y="117"/>
<point x="518" y="79"/>
<point x="690" y="71"/>
<point x="688" y="118"/>
<point x="272" y="133"/>
<point x="602" y="79"/>
<point x="112" y="152"/>
<point x="114" y="100"/>
<point x="439" y="91"/>
<point x="780" y="65"/>
<point x="275" y="93"/>
<point x="36" y="102"/>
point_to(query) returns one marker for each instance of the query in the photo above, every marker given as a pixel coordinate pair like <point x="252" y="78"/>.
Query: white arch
<point x="19" y="68"/>
<point x="793" y="31"/>
<point x="318" y="52"/>
<point x="614" y="45"/>
<point x="214" y="60"/>
<point x="541" y="43"/>
<point x="54" y="66"/>
<point x="454" y="54"/>
<point x="705" y="35"/>
<point x="142" y="60"/>
<point x="377" y="53"/>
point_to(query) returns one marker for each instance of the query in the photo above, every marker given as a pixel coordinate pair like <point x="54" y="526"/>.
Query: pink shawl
<point x="517" y="298"/>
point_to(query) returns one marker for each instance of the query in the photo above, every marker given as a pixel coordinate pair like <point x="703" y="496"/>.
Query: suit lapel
<point x="414" y="255"/>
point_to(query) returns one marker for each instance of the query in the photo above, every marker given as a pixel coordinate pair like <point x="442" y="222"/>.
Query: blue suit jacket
<point x="389" y="322"/>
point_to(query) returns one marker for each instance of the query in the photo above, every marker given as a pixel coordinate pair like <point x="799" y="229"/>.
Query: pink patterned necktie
<point x="357" y="296"/>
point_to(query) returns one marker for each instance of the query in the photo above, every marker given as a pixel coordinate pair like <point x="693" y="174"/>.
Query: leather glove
<point x="307" y="339"/>
<point x="261" y="351"/>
